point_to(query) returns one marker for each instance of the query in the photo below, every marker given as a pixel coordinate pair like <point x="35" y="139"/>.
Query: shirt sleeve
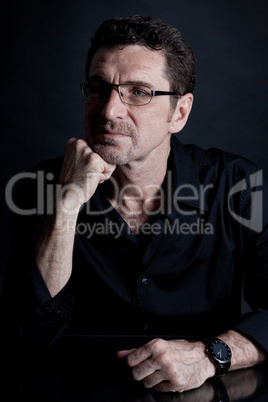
<point x="53" y="315"/>
<point x="32" y="318"/>
<point x="254" y="227"/>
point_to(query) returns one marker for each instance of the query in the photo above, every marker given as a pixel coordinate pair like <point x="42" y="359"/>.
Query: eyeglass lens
<point x="131" y="94"/>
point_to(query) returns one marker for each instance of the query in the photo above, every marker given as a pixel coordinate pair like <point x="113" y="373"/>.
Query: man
<point x="144" y="235"/>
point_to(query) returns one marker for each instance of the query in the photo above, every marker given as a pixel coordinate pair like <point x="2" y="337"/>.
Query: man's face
<point x="121" y="133"/>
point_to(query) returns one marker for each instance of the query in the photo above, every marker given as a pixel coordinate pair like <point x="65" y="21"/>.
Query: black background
<point x="44" y="47"/>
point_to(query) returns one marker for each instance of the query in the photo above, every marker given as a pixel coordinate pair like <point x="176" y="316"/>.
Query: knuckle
<point x="177" y="385"/>
<point x="148" y="349"/>
<point x="144" y="349"/>
<point x="71" y="140"/>
<point x="92" y="159"/>
<point x="171" y="370"/>
<point x="75" y="144"/>
<point x="178" y="381"/>
<point x="164" y="360"/>
<point x="93" y="156"/>
<point x="81" y="144"/>
<point x="157" y="344"/>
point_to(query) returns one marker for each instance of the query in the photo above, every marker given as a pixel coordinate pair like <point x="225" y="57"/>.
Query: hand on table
<point x="173" y="365"/>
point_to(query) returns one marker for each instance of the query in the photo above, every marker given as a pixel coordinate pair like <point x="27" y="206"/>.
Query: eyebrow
<point x="144" y="83"/>
<point x="98" y="78"/>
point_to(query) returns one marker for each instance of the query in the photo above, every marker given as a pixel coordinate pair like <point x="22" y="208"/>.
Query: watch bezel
<point x="222" y="365"/>
<point x="226" y="359"/>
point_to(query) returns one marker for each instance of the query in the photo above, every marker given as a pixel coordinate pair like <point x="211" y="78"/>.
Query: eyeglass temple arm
<point x="159" y="93"/>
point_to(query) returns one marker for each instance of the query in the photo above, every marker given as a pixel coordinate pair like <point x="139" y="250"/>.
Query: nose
<point x="114" y="107"/>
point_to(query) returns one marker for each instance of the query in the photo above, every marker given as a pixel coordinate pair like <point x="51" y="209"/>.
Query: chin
<point x="112" y="154"/>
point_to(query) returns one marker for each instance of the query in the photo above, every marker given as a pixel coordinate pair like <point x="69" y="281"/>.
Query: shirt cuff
<point x="254" y="325"/>
<point x="60" y="305"/>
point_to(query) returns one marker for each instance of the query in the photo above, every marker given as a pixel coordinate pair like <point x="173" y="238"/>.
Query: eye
<point x="96" y="87"/>
<point x="140" y="91"/>
<point x="98" y="90"/>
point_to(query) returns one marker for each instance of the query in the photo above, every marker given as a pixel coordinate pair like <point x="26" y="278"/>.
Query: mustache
<point x="124" y="128"/>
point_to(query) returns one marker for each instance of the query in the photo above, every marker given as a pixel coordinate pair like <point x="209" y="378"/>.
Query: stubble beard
<point x="109" y="149"/>
<point x="111" y="154"/>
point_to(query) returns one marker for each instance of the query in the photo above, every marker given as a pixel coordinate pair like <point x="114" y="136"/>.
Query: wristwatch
<point x="220" y="354"/>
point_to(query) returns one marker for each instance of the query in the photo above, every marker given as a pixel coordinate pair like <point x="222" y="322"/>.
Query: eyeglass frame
<point x="153" y="93"/>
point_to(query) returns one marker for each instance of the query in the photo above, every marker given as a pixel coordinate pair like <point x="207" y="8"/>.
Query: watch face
<point x="220" y="351"/>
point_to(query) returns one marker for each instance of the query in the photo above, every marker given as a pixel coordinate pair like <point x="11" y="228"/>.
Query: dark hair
<point x="155" y="35"/>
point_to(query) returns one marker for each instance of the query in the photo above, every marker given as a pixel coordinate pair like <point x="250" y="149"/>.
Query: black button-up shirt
<point x="181" y="276"/>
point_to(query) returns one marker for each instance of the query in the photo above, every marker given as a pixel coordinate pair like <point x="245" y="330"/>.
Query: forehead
<point x="133" y="62"/>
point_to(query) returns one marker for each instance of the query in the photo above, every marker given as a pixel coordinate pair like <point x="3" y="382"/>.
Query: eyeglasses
<point x="130" y="94"/>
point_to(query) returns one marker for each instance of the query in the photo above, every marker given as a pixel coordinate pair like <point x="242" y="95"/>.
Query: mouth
<point x="110" y="133"/>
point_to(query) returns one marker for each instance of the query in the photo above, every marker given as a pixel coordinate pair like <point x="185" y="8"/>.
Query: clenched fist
<point x="82" y="171"/>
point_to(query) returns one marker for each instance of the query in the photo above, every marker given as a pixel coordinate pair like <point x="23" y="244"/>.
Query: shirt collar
<point x="187" y="188"/>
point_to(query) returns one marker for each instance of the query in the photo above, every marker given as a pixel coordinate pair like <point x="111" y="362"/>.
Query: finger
<point x="167" y="386"/>
<point x="122" y="354"/>
<point x="74" y="140"/>
<point x="74" y="147"/>
<point x="138" y="356"/>
<point x="108" y="170"/>
<point x="154" y="379"/>
<point x="145" y="369"/>
<point x="146" y="351"/>
<point x="105" y="176"/>
<point x="71" y="140"/>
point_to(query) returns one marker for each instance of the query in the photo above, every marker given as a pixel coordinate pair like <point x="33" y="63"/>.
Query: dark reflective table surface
<point x="84" y="369"/>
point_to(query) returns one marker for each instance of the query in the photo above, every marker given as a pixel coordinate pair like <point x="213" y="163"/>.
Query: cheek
<point x="156" y="122"/>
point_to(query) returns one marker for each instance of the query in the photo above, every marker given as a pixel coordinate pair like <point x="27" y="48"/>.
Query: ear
<point x="181" y="113"/>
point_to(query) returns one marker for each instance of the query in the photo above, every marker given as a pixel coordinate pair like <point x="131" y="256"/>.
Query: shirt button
<point x="144" y="281"/>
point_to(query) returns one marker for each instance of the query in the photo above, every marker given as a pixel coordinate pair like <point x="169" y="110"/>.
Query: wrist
<point x="67" y="204"/>
<point x="209" y="368"/>
<point x="62" y="220"/>
<point x="245" y="352"/>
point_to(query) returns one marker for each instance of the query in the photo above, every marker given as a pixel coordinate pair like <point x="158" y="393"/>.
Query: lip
<point x="111" y="133"/>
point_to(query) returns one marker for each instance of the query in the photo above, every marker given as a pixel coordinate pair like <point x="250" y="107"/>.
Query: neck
<point x="141" y="179"/>
<point x="135" y="189"/>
